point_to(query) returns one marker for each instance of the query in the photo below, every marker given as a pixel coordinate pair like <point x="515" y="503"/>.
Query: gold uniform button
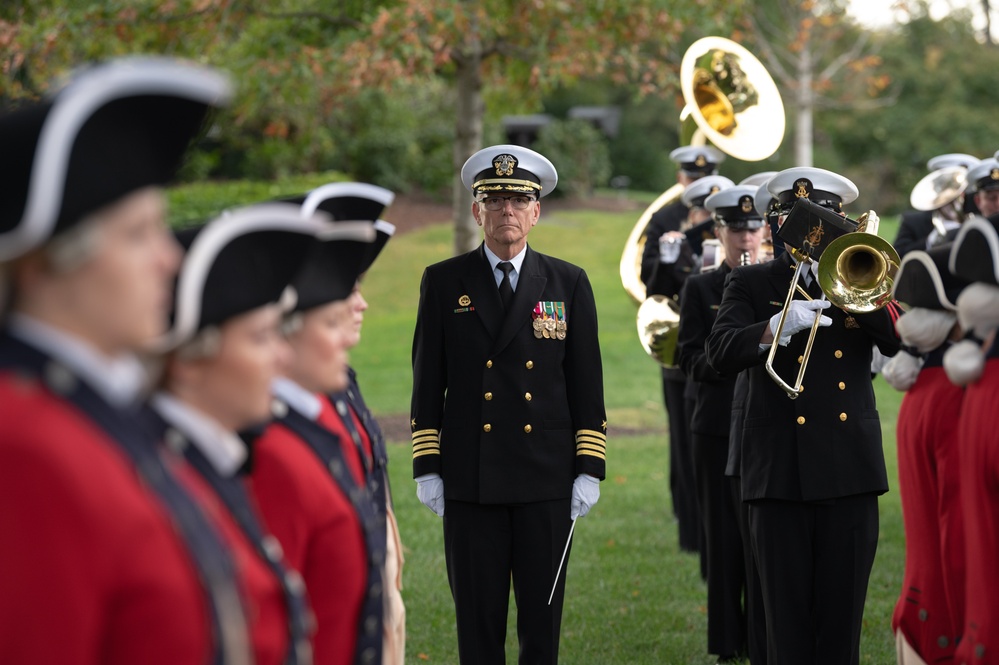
<point x="842" y="386"/>
<point x="489" y="363"/>
<point x="842" y="416"/>
<point x="527" y="429"/>
<point x="488" y="396"/>
<point x="801" y="359"/>
<point x="838" y="354"/>
<point x="801" y="420"/>
<point x="528" y="397"/>
<point x="487" y="427"/>
<point x="529" y="364"/>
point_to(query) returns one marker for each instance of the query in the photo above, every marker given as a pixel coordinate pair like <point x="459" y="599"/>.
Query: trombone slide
<point x="795" y="390"/>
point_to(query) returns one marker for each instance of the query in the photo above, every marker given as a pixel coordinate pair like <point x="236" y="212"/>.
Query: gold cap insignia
<point x="700" y="161"/>
<point x="714" y="190"/>
<point x="746" y="203"/>
<point x="804" y="188"/>
<point x="505" y="164"/>
<point x="464" y="301"/>
<point x="994" y="174"/>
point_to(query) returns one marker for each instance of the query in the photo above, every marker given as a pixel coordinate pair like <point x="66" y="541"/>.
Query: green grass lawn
<point x="632" y="596"/>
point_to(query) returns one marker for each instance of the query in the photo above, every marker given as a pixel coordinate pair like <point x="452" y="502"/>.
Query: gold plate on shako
<point x="464" y="301"/>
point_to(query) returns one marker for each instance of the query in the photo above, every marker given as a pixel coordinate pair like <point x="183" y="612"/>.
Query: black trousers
<point x="485" y="546"/>
<point x="725" y="564"/>
<point x="681" y="466"/>
<point x="815" y="561"/>
<point x="756" y="620"/>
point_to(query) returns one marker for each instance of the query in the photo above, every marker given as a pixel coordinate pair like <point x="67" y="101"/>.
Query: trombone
<point x="856" y="272"/>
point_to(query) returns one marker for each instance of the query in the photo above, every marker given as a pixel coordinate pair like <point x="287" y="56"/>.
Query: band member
<point x="983" y="180"/>
<point x="509" y="431"/>
<point x="740" y="229"/>
<point x="303" y="473"/>
<point x="929" y="614"/>
<point x="354" y="422"/>
<point x="223" y="352"/>
<point x="812" y="467"/>
<point x="973" y="258"/>
<point x="677" y="261"/>
<point x="916" y="229"/>
<point x="107" y="556"/>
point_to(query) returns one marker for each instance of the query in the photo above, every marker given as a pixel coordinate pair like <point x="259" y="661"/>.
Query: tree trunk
<point x="805" y="99"/>
<point x="987" y="10"/>
<point x="469" y="110"/>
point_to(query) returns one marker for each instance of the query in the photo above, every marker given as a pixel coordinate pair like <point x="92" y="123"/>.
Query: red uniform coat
<point x="980" y="501"/>
<point x="92" y="570"/>
<point x="321" y="535"/>
<point x="931" y="607"/>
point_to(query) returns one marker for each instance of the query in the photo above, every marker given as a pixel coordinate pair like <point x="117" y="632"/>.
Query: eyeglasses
<point x="499" y="202"/>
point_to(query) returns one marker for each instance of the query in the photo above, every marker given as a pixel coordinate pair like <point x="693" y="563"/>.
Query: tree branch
<point x="848" y="56"/>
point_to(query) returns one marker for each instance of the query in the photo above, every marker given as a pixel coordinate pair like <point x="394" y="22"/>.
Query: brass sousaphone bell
<point x="942" y="193"/>
<point x="731" y="101"/>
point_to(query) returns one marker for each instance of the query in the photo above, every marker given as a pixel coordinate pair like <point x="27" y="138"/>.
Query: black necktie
<point x="505" y="288"/>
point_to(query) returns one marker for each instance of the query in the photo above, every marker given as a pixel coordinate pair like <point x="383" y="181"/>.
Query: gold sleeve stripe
<point x="590" y="446"/>
<point x="426" y="439"/>
<point x="426" y="446"/>
<point x="592" y="454"/>
<point x="591" y="442"/>
<point x="426" y="452"/>
<point x="591" y="432"/>
<point x="427" y="432"/>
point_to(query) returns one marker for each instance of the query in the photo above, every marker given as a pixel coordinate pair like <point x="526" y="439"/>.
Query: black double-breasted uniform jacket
<point x="827" y="442"/>
<point x="505" y="416"/>
<point x="913" y="230"/>
<point x="702" y="295"/>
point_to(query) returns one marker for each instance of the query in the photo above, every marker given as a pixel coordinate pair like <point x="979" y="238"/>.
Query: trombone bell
<point x="857" y="272"/>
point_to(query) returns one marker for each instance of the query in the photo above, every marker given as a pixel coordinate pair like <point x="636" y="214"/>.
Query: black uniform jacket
<point x="702" y="295"/>
<point x="827" y="442"/>
<point x="913" y="230"/>
<point x="502" y="415"/>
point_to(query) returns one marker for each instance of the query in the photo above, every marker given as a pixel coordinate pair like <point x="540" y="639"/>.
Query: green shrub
<point x="579" y="152"/>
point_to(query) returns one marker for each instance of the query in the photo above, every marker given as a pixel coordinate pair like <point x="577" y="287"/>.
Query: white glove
<point x="585" y="494"/>
<point x="978" y="308"/>
<point x="669" y="249"/>
<point x="430" y="492"/>
<point x="800" y="316"/>
<point x="964" y="363"/>
<point x="902" y="370"/>
<point x="925" y="329"/>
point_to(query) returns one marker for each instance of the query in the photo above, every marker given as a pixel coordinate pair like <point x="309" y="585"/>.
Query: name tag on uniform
<point x="549" y="320"/>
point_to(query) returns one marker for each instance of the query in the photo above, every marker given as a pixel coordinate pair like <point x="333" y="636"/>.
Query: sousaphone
<point x="733" y="103"/>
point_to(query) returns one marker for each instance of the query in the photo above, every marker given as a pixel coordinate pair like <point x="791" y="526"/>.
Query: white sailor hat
<point x="757" y="179"/>
<point x="695" y="193"/>
<point x="241" y="260"/>
<point x="951" y="159"/>
<point x="112" y="129"/>
<point x="735" y="207"/>
<point x="819" y="186"/>
<point x="509" y="169"/>
<point x="763" y="200"/>
<point x="984" y="175"/>
<point x="700" y="160"/>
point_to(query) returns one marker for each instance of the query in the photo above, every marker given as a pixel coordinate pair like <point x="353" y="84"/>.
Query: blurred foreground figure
<point x="107" y="556"/>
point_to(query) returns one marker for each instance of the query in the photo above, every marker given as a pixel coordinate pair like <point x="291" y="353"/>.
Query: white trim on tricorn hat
<point x="346" y="189"/>
<point x="919" y="276"/>
<point x="208" y="245"/>
<point x="509" y="168"/>
<point x="70" y="110"/>
<point x="975" y="254"/>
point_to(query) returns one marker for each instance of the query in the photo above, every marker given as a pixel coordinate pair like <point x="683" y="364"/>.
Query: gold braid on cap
<point x="501" y="184"/>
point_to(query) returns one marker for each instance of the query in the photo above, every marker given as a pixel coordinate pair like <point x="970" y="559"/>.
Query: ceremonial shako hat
<point x="924" y="280"/>
<point x="113" y="129"/>
<point x="509" y="169"/>
<point x="819" y="186"/>
<point x="698" y="160"/>
<point x="238" y="262"/>
<point x="695" y="193"/>
<point x="355" y="202"/>
<point x="975" y="254"/>
<point x="984" y="175"/>
<point x="734" y="208"/>
<point x="951" y="159"/>
<point x="758" y="179"/>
